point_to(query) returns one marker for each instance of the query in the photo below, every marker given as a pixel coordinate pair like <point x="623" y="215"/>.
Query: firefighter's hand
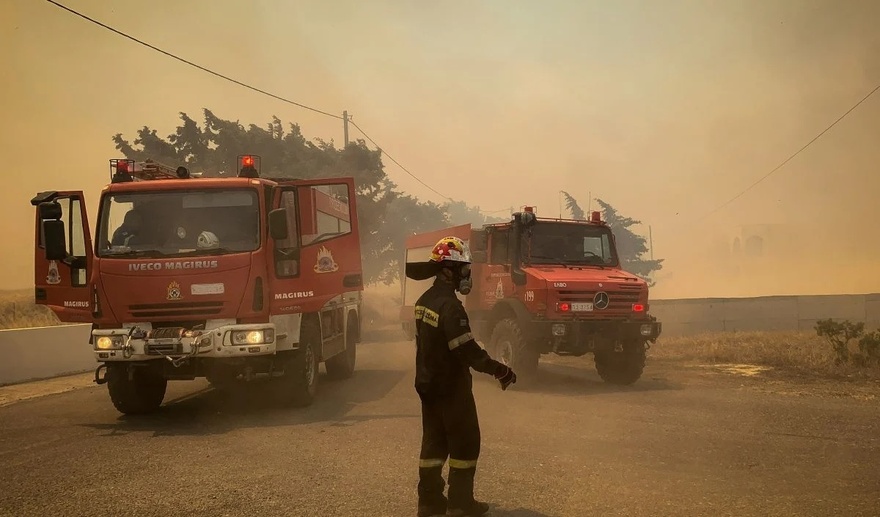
<point x="505" y="377"/>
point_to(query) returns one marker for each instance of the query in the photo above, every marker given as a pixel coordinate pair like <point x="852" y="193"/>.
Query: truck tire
<point x="510" y="347"/>
<point x="299" y="384"/>
<point x="341" y="366"/>
<point x="621" y="368"/>
<point x="141" y="394"/>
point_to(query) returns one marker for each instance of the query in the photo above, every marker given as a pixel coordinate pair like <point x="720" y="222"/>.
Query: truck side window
<point x="499" y="247"/>
<point x="324" y="212"/>
<point x="286" y="267"/>
<point x="71" y="215"/>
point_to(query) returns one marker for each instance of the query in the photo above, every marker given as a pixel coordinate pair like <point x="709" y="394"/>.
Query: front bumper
<point x="134" y="344"/>
<point x="577" y="330"/>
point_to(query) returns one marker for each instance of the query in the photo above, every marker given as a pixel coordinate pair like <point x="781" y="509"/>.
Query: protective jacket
<point x="445" y="347"/>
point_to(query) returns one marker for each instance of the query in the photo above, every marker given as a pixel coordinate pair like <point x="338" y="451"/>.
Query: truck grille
<point x="618" y="299"/>
<point x="168" y="310"/>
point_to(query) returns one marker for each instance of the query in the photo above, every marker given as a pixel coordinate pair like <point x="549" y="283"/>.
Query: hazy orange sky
<point x="665" y="109"/>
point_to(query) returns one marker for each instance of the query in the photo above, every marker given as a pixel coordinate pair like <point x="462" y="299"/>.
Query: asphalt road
<point x="684" y="441"/>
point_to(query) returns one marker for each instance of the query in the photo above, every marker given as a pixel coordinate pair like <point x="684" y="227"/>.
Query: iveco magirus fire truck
<point x="545" y="286"/>
<point x="231" y="279"/>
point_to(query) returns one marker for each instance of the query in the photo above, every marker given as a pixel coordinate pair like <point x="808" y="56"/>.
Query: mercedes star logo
<point x="601" y="300"/>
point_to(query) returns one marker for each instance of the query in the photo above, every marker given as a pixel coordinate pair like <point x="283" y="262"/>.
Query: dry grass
<point x="17" y="310"/>
<point x="794" y="351"/>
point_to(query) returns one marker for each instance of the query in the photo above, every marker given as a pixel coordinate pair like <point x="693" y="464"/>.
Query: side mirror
<point x="54" y="240"/>
<point x="518" y="276"/>
<point x="50" y="210"/>
<point x="278" y="224"/>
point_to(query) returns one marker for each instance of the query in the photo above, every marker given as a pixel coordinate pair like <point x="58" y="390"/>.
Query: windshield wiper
<point x="133" y="253"/>
<point x="568" y="262"/>
<point x="556" y="260"/>
<point x="212" y="251"/>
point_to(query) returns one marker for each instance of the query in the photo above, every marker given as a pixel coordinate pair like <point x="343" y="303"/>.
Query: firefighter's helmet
<point x="207" y="240"/>
<point x="451" y="249"/>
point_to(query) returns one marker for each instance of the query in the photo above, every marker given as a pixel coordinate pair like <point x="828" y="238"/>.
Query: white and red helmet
<point x="451" y="249"/>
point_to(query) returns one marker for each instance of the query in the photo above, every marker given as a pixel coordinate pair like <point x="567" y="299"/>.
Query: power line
<point x="258" y="90"/>
<point x="396" y="162"/>
<point x="799" y="151"/>
<point x="190" y="63"/>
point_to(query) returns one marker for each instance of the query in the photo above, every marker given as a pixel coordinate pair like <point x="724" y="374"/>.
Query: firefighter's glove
<point x="505" y="377"/>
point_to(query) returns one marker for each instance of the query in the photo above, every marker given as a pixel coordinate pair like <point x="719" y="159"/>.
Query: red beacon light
<point x="249" y="166"/>
<point x="595" y="217"/>
<point x="120" y="170"/>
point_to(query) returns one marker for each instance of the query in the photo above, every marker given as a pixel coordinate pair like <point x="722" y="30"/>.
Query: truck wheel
<point x="624" y="367"/>
<point x="341" y="366"/>
<point x="510" y="347"/>
<point x="141" y="394"/>
<point x="299" y="384"/>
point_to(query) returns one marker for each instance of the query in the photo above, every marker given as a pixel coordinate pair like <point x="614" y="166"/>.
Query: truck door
<point x="493" y="283"/>
<point x="318" y="267"/>
<point x="63" y="255"/>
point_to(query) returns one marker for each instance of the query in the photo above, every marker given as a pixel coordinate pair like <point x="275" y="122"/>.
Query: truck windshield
<point x="175" y="223"/>
<point x="567" y="243"/>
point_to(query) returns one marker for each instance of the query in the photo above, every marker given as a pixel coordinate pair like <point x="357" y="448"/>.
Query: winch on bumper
<point x="136" y="344"/>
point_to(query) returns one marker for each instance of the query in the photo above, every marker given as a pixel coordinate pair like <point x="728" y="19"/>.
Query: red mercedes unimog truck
<point x="231" y="279"/>
<point x="544" y="286"/>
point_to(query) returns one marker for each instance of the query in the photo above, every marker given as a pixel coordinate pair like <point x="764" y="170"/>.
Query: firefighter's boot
<point x="431" y="485"/>
<point x="461" y="494"/>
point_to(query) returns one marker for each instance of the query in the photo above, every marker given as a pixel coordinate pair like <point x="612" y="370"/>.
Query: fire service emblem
<point x="174" y="291"/>
<point x="54" y="277"/>
<point x="325" y="263"/>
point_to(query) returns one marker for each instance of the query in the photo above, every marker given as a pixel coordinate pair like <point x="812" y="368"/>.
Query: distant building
<point x="773" y="241"/>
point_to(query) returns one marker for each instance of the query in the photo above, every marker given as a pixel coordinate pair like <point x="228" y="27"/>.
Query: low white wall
<point x="768" y="313"/>
<point x="41" y="353"/>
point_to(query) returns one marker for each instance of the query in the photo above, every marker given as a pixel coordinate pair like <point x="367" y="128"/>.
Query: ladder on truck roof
<point x="122" y="170"/>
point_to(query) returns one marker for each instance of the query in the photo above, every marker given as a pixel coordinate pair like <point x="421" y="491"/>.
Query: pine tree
<point x="630" y="245"/>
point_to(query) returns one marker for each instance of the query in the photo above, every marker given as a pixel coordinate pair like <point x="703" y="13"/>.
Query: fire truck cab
<point x="231" y="279"/>
<point x="547" y="286"/>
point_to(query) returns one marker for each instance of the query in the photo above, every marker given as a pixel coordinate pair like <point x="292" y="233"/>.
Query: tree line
<point x="386" y="215"/>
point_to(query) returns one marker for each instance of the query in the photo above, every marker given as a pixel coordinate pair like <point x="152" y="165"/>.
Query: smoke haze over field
<point x="664" y="109"/>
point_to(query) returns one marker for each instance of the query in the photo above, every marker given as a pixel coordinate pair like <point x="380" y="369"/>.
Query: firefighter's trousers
<point x="450" y="429"/>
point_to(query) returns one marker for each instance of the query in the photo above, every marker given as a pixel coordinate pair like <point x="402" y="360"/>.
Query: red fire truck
<point x="545" y="286"/>
<point x="231" y="279"/>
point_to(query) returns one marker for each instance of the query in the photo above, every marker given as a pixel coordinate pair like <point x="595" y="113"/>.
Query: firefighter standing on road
<point x="445" y="353"/>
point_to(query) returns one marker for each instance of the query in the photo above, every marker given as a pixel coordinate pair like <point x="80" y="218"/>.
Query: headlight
<point x="252" y="337"/>
<point x="646" y="330"/>
<point x="109" y="342"/>
<point x="558" y="329"/>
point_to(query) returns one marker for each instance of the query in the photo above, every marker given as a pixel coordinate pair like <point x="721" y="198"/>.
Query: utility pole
<point x="651" y="241"/>
<point x="345" y="126"/>
<point x="560" y="204"/>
